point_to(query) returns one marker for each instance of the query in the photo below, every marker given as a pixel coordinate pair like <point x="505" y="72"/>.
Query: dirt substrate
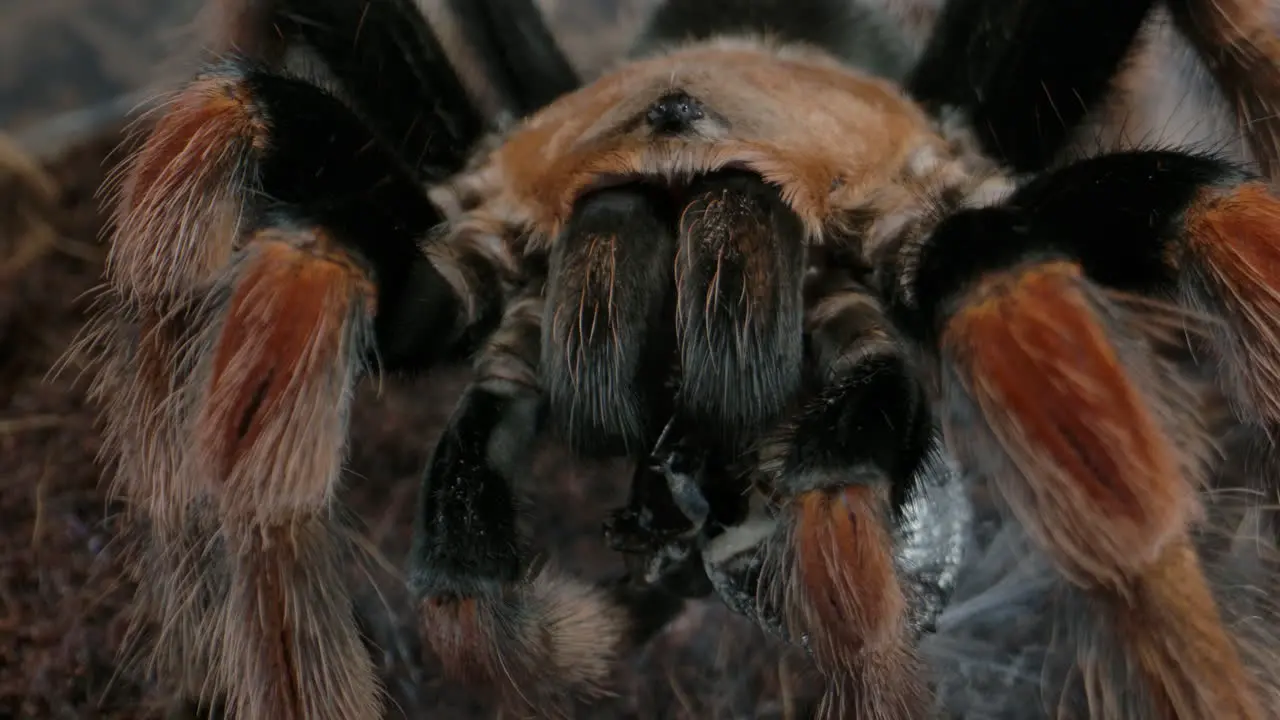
<point x="62" y="601"/>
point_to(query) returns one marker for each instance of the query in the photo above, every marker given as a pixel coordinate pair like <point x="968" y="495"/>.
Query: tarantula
<point x="867" y="332"/>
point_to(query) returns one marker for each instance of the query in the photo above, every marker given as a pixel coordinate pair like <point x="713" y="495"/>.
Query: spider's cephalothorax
<point x="903" y="380"/>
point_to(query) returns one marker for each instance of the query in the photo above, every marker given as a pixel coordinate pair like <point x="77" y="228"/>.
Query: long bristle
<point x="288" y="628"/>
<point x="1163" y="653"/>
<point x="182" y="579"/>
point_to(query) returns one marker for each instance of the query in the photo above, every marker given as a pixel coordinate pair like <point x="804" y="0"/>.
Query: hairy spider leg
<point x="523" y="61"/>
<point x="396" y="72"/>
<point x="1054" y="387"/>
<point x="266" y="253"/>
<point x="857" y="33"/>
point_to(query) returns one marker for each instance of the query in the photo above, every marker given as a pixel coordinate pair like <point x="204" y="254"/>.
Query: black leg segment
<point x="395" y="71"/>
<point x="1024" y="74"/>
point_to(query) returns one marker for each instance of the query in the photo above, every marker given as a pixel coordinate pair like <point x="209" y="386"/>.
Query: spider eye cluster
<point x="674" y="113"/>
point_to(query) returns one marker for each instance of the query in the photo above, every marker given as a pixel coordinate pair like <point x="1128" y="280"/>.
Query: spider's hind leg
<point x="401" y="73"/>
<point x="1053" y="361"/>
<point x="265" y="251"/>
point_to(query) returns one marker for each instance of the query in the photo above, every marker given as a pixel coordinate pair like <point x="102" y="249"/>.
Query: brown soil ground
<point x="61" y="596"/>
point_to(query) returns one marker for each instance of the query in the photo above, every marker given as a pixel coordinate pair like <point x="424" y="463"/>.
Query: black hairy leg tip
<point x="607" y="343"/>
<point x="524" y="62"/>
<point x="394" y="70"/>
<point x="739" y="314"/>
<point x="1001" y="66"/>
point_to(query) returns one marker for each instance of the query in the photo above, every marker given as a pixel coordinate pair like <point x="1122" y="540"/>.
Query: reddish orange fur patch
<point x="843" y="560"/>
<point x="1173" y="631"/>
<point x="280" y="373"/>
<point x="207" y="110"/>
<point x="1094" y="478"/>
<point x="1236" y="238"/>
<point x="844" y="597"/>
<point x="451" y="626"/>
<point x="179" y="204"/>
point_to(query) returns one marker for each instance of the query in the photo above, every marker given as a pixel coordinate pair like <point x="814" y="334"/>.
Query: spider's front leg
<point x="265" y="251"/>
<point x="1057" y="387"/>
<point x="542" y="638"/>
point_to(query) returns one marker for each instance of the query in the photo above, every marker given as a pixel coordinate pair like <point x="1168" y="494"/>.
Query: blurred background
<point x="68" y="66"/>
